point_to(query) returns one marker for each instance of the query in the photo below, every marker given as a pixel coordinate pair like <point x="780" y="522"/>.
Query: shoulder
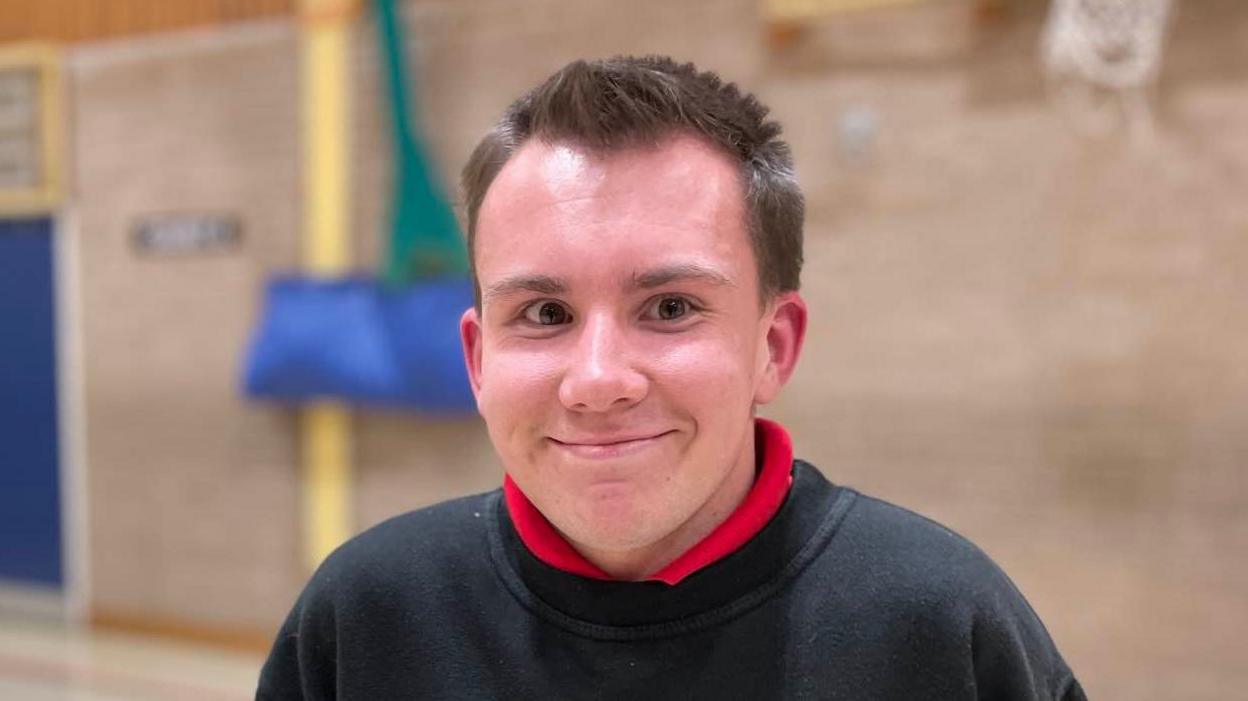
<point x="923" y="550"/>
<point x="418" y="548"/>
<point x="883" y="547"/>
<point x="410" y="569"/>
<point x="920" y="576"/>
<point x="928" y="565"/>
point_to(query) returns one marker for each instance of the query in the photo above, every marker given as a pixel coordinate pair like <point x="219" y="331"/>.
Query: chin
<point x="616" y="529"/>
<point x="612" y="540"/>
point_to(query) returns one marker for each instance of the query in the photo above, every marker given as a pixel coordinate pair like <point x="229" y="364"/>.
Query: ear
<point x="470" y="337"/>
<point x="785" y="333"/>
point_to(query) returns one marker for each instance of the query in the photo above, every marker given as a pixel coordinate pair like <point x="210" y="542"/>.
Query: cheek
<point x="712" y="369"/>
<point x="514" y="382"/>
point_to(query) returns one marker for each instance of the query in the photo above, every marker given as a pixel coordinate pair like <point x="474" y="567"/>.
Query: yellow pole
<point x="326" y="427"/>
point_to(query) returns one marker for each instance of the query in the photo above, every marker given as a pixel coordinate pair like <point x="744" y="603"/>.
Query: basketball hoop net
<point x="1113" y="46"/>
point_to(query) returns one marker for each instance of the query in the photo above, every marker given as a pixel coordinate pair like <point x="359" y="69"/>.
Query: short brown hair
<point x="627" y="101"/>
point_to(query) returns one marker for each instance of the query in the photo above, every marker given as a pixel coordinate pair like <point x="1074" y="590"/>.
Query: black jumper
<point x="840" y="596"/>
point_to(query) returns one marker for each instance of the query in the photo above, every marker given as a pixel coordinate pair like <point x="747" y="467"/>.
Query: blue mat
<point x="364" y="342"/>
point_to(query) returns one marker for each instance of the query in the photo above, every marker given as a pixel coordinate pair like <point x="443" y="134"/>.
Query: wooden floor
<point x="45" y="661"/>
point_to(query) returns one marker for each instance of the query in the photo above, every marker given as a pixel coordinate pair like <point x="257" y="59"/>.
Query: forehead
<point x="559" y="205"/>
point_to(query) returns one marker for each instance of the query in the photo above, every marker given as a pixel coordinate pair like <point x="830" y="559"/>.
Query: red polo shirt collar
<point x="771" y="486"/>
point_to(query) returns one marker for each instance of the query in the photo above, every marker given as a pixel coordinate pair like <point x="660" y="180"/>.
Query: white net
<point x="1102" y="56"/>
<point x="1113" y="44"/>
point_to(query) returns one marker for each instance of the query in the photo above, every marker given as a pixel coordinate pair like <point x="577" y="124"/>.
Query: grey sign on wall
<point x="187" y="234"/>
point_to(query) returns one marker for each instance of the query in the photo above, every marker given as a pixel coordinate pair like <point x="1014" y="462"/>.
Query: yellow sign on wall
<point x="800" y="10"/>
<point x="31" y="163"/>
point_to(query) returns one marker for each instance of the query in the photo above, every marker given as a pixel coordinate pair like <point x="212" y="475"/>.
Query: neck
<point x="637" y="564"/>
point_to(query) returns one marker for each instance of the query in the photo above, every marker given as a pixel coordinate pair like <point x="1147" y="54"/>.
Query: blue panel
<point x="30" y="521"/>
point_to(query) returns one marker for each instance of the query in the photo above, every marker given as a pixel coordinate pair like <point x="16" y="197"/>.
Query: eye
<point x="547" y="313"/>
<point x="669" y="308"/>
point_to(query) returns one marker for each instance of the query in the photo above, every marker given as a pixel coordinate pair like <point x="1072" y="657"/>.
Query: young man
<point x="636" y="235"/>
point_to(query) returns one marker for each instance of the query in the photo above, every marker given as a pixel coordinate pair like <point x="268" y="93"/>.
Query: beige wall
<point x="191" y="491"/>
<point x="1032" y="336"/>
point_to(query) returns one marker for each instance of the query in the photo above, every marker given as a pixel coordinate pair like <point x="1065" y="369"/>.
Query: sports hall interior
<point x="1028" y="298"/>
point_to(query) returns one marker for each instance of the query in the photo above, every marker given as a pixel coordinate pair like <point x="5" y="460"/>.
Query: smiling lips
<point x="602" y="447"/>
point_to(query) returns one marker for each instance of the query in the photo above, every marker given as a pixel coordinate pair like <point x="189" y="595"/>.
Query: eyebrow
<point x="655" y="277"/>
<point x="542" y="284"/>
<point x="660" y="276"/>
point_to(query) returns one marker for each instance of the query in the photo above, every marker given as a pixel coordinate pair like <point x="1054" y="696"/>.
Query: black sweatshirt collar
<point x="725" y="589"/>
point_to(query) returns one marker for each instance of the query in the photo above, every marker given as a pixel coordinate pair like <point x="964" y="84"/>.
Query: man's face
<point x="621" y="345"/>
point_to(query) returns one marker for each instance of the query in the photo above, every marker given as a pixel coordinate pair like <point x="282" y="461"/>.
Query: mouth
<point x="598" y="448"/>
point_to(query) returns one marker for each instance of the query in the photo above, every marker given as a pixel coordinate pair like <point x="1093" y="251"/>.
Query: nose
<point x="600" y="374"/>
